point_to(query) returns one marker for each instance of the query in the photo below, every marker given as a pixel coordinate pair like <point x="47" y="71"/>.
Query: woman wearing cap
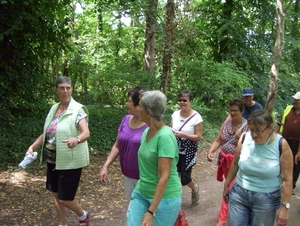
<point x="187" y="125"/>
<point x="227" y="140"/>
<point x="250" y="104"/>
<point x="263" y="168"/>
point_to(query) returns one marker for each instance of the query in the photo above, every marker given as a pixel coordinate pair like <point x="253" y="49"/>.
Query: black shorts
<point x="63" y="182"/>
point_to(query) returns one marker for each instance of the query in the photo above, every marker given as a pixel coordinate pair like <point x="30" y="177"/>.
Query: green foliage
<point x="214" y="84"/>
<point x="32" y="35"/>
<point x="18" y="134"/>
<point x="103" y="124"/>
<point x="102" y="50"/>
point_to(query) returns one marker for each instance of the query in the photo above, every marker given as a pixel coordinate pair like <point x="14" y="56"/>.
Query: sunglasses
<point x="182" y="100"/>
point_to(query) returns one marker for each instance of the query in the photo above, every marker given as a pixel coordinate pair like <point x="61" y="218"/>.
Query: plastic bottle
<point x="28" y="159"/>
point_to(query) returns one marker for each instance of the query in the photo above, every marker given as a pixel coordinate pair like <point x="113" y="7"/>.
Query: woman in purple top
<point x="127" y="144"/>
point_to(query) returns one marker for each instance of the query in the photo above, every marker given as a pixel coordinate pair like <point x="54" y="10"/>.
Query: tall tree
<point x="276" y="56"/>
<point x="168" y="46"/>
<point x="225" y="34"/>
<point x="150" y="42"/>
<point x="33" y="35"/>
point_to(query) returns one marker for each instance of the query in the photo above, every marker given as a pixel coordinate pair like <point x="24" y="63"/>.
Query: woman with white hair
<point x="156" y="199"/>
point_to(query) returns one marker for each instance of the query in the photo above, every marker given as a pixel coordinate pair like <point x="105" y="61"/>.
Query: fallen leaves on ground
<point x="25" y="200"/>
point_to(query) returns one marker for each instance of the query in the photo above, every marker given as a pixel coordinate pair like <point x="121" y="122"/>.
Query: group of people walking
<point x="156" y="154"/>
<point x="157" y="159"/>
<point x="257" y="164"/>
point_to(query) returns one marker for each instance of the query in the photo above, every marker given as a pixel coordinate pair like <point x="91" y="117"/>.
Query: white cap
<point x="297" y="96"/>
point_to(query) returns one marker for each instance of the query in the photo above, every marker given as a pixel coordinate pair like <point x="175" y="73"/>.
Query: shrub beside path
<point x="25" y="201"/>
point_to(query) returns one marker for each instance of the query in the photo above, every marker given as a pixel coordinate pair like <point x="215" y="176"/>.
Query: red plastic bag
<point x="181" y="219"/>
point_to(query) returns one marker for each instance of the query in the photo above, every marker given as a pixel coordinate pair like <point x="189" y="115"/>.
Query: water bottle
<point x="28" y="159"/>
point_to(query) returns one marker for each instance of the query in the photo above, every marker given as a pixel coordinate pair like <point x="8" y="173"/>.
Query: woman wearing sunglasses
<point x="187" y="126"/>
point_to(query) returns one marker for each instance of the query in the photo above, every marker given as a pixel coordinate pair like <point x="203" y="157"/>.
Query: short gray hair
<point x="63" y="79"/>
<point x="156" y="102"/>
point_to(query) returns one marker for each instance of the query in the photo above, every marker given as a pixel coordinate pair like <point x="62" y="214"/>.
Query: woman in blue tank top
<point x="263" y="168"/>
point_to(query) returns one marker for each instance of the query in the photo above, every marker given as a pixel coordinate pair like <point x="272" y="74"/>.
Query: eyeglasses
<point x="182" y="100"/>
<point x="258" y="131"/>
<point x="234" y="111"/>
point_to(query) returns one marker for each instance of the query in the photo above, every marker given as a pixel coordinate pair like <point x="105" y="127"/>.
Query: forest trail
<point x="25" y="201"/>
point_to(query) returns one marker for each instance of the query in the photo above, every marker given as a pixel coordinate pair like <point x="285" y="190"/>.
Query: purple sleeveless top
<point x="129" y="141"/>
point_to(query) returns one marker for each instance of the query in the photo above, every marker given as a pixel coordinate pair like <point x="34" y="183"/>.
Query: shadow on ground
<point x="26" y="202"/>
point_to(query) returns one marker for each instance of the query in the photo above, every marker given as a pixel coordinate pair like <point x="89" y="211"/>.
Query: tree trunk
<point x="150" y="42"/>
<point x="168" y="49"/>
<point x="100" y="16"/>
<point x="276" y="57"/>
<point x="135" y="58"/>
<point x="224" y="42"/>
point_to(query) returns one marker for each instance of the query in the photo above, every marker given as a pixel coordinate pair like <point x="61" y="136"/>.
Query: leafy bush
<point x="18" y="134"/>
<point x="214" y="84"/>
<point x="103" y="124"/>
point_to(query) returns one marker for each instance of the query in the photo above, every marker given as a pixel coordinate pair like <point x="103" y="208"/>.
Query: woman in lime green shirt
<point x="156" y="199"/>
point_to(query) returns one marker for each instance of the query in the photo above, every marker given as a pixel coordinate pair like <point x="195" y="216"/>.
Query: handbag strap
<point x="187" y="121"/>
<point x="233" y="138"/>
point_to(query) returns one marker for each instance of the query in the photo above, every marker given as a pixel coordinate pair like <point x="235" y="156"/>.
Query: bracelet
<point x="78" y="140"/>
<point x="149" y="211"/>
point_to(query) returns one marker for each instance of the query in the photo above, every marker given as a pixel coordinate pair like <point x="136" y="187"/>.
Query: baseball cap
<point x="247" y="92"/>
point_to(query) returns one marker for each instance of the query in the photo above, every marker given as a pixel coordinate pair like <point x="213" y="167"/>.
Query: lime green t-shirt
<point x="162" y="145"/>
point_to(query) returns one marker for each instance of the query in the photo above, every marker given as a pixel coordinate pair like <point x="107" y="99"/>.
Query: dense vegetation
<point x="214" y="48"/>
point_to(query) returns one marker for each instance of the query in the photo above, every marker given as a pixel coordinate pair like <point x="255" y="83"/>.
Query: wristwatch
<point x="78" y="140"/>
<point x="287" y="205"/>
<point x="149" y="211"/>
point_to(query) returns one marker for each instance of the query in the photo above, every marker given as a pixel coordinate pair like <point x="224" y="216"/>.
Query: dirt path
<point x="24" y="200"/>
<point x="205" y="213"/>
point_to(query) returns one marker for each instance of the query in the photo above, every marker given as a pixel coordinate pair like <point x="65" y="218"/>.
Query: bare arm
<point x="36" y="144"/>
<point x="114" y="153"/>
<point x="83" y="128"/>
<point x="194" y="137"/>
<point x="286" y="164"/>
<point x="216" y="145"/>
<point x="164" y="172"/>
<point x="83" y="136"/>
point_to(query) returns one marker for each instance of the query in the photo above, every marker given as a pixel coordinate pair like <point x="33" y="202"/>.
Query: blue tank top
<point x="259" y="166"/>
